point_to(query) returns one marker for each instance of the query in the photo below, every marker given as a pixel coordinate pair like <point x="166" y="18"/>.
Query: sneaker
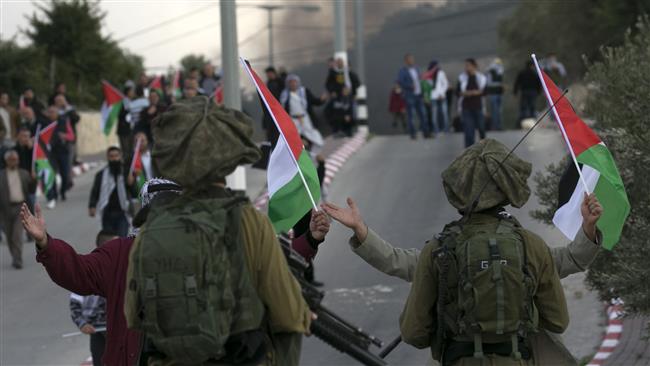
<point x="51" y="204"/>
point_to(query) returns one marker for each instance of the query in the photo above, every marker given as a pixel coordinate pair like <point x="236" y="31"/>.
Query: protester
<point x="555" y="69"/>
<point x="9" y="119"/>
<point x="494" y="92"/>
<point x="59" y="88"/>
<point x="439" y="110"/>
<point x="426" y="86"/>
<point x="190" y="88"/>
<point x="124" y="126"/>
<point x="110" y="194"/>
<point x="69" y="114"/>
<point x="15" y="185"/>
<point x="471" y="85"/>
<point x="275" y="86"/>
<point x="209" y="80"/>
<point x="403" y="263"/>
<point x="148" y="115"/>
<point x="60" y="154"/>
<point x="89" y="312"/>
<point x="27" y="99"/>
<point x="409" y="80"/>
<point x="28" y="119"/>
<point x="341" y="113"/>
<point x="528" y="87"/>
<point x="298" y="101"/>
<point x="25" y="149"/>
<point x="340" y="76"/>
<point x="397" y="107"/>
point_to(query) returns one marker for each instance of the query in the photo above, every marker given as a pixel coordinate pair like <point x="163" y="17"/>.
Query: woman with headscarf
<point x="298" y="102"/>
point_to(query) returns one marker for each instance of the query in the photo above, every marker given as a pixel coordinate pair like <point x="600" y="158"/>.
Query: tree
<point x="619" y="86"/>
<point x="21" y="67"/>
<point x="191" y="61"/>
<point x="571" y="29"/>
<point x="69" y="33"/>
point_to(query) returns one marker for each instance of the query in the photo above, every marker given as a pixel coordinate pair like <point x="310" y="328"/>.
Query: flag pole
<point x="277" y="125"/>
<point x="559" y="122"/>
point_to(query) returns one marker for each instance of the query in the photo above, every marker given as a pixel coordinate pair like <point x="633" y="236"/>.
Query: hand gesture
<point x="87" y="329"/>
<point x="319" y="225"/>
<point x="34" y="224"/>
<point x="591" y="211"/>
<point x="350" y="217"/>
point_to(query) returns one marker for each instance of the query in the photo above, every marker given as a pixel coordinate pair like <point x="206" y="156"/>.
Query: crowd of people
<point x="429" y="95"/>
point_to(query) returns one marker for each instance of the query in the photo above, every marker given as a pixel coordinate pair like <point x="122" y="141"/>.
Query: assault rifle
<point x="329" y="327"/>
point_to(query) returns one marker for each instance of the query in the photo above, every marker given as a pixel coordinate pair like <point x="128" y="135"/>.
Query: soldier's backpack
<point x="189" y="289"/>
<point x="485" y="289"/>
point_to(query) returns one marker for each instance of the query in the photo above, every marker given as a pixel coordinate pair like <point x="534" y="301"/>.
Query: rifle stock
<point x="329" y="327"/>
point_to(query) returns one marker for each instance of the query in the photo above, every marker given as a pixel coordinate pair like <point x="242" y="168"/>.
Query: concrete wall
<point x="90" y="139"/>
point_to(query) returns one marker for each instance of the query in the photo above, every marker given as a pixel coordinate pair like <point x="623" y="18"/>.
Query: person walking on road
<point x="25" y="149"/>
<point x="89" y="313"/>
<point x="471" y="86"/>
<point x="110" y="194"/>
<point x="408" y="79"/>
<point x="15" y="185"/>
<point x="397" y="107"/>
<point x="439" y="111"/>
<point x="299" y="101"/>
<point x="494" y="92"/>
<point x="528" y="87"/>
<point x="9" y="118"/>
<point x="62" y="138"/>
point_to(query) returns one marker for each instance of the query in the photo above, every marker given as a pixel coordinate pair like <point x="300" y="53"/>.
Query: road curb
<point x="612" y="334"/>
<point x="333" y="163"/>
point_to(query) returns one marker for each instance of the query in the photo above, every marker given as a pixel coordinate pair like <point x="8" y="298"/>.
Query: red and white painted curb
<point x="612" y="335"/>
<point x="333" y="163"/>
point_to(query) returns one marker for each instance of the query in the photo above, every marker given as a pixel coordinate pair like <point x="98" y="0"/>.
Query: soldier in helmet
<point x="403" y="263"/>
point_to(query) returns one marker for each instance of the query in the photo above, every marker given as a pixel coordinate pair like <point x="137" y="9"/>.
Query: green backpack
<point x="189" y="276"/>
<point x="488" y="297"/>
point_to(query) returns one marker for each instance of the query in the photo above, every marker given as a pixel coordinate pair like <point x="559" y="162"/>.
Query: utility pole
<point x="340" y="48"/>
<point x="230" y="62"/>
<point x="269" y="11"/>
<point x="362" y="94"/>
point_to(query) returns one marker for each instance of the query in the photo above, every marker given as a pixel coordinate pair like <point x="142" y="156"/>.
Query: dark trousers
<point x="97" y="345"/>
<point x="62" y="164"/>
<point x="126" y="143"/>
<point x="473" y="119"/>
<point x="527" y="104"/>
<point x="13" y="230"/>
<point x="115" y="221"/>
<point x="415" y="104"/>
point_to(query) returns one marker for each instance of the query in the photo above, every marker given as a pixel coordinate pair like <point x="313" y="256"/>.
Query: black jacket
<point x="527" y="80"/>
<point x="336" y="81"/>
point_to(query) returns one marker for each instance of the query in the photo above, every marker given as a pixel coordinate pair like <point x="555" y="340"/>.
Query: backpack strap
<point x="497" y="278"/>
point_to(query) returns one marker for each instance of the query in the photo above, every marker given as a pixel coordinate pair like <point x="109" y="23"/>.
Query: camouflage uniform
<point x="462" y="181"/>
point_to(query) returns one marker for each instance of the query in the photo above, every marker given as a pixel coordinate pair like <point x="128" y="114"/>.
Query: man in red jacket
<point x="103" y="271"/>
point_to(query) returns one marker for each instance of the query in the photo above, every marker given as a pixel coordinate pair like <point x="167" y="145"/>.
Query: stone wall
<point x="90" y="139"/>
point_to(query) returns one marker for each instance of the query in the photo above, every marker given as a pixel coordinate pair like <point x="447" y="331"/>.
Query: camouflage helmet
<point x="476" y="167"/>
<point x="198" y="142"/>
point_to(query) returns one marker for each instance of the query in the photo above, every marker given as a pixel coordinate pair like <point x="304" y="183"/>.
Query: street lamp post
<point x="269" y="11"/>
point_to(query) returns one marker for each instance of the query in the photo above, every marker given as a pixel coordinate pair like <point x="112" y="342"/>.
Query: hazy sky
<point x="198" y="30"/>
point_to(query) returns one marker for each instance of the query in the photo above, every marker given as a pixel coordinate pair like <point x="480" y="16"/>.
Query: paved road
<point x="397" y="185"/>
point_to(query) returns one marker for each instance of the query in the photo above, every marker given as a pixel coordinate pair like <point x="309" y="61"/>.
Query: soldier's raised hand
<point x="350" y="217"/>
<point x="34" y="224"/>
<point x="591" y="211"/>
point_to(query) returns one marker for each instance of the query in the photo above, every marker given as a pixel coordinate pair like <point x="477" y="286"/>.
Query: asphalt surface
<point x="397" y="186"/>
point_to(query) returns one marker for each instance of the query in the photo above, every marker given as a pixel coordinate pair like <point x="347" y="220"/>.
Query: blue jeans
<point x="440" y="115"/>
<point x="473" y="119"/>
<point x="495" y="110"/>
<point x="415" y="102"/>
<point x="115" y="222"/>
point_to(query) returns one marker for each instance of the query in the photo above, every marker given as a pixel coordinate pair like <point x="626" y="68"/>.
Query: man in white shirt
<point x="439" y="98"/>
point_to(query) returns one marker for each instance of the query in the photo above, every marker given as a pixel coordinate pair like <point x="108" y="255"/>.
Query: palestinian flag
<point x="40" y="157"/>
<point x="291" y="176"/>
<point x="156" y="83"/>
<point x="176" y="84"/>
<point x="598" y="173"/>
<point x="137" y="167"/>
<point x="111" y="107"/>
